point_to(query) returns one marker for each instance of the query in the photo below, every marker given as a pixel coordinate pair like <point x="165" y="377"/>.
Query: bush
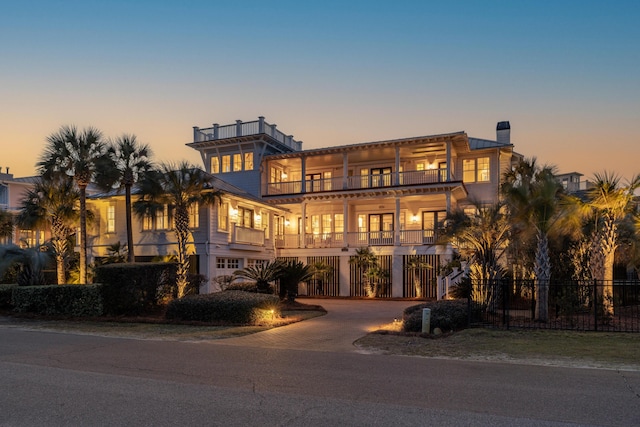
<point x="135" y="288"/>
<point x="235" y="307"/>
<point x="56" y="300"/>
<point x="247" y="287"/>
<point x="447" y="315"/>
<point x="5" y="295"/>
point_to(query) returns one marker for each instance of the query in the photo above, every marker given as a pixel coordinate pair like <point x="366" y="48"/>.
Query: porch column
<point x="344" y="275"/>
<point x="345" y="222"/>
<point x="397" y="167"/>
<point x="448" y="199"/>
<point x="303" y="173"/>
<point x="396" y="224"/>
<point x="345" y="172"/>
<point x="448" y="160"/>
<point x="303" y="225"/>
<point x="396" y="276"/>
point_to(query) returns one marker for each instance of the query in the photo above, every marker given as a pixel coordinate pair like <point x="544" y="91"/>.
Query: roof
<point x="480" y="144"/>
<point x="217" y="184"/>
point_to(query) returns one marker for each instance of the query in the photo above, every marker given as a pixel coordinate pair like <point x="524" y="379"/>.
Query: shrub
<point x="247" y="287"/>
<point x="65" y="300"/>
<point x="236" y="307"/>
<point x="135" y="288"/>
<point x="5" y="295"/>
<point x="446" y="314"/>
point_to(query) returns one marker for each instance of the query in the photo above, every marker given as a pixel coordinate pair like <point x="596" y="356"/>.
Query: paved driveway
<point x="345" y="322"/>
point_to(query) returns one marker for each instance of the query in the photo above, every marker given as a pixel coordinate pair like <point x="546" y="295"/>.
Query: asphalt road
<point x="58" y="379"/>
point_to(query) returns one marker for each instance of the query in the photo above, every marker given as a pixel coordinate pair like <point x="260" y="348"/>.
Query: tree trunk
<point x="182" y="234"/>
<point x="83" y="233"/>
<point x="130" y="249"/>
<point x="542" y="270"/>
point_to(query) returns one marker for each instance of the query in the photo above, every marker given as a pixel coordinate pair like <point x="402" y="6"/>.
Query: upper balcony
<point x="245" y="129"/>
<point x="360" y="182"/>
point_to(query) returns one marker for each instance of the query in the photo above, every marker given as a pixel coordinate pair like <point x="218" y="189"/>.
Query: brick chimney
<point x="503" y="132"/>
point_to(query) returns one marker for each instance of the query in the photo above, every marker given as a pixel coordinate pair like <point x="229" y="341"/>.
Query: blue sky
<point x="564" y="73"/>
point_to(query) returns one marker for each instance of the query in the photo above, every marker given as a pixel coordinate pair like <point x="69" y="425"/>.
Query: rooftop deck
<point x="243" y="129"/>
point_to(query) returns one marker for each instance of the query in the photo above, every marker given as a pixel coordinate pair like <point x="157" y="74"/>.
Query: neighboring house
<point x="227" y="236"/>
<point x="12" y="191"/>
<point x="391" y="196"/>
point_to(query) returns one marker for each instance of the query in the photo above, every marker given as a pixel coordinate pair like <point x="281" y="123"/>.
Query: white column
<point x="396" y="276"/>
<point x="448" y="160"/>
<point x="303" y="225"/>
<point x="303" y="173"/>
<point x="345" y="288"/>
<point x="397" y="167"/>
<point x="396" y="223"/>
<point x="345" y="171"/>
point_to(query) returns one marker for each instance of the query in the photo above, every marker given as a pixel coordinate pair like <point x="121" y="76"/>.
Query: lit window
<point x="476" y="170"/>
<point x="226" y="163"/>
<point x="194" y="216"/>
<point x="223" y="216"/>
<point x="338" y="223"/>
<point x="162" y="218"/>
<point x="111" y="219"/>
<point x="469" y="170"/>
<point x="237" y="162"/>
<point x="147" y="223"/>
<point x="245" y="217"/>
<point x="215" y="164"/>
<point x="483" y="170"/>
<point x="248" y="161"/>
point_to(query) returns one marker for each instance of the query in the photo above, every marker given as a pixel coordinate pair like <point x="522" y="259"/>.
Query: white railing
<point x="240" y="128"/>
<point x="249" y="236"/>
<point x="355" y="239"/>
<point x="357" y="182"/>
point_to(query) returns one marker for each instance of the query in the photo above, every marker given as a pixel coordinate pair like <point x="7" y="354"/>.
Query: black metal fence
<point x="572" y="305"/>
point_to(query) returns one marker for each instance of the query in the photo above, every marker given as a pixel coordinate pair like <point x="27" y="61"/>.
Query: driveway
<point x="345" y="322"/>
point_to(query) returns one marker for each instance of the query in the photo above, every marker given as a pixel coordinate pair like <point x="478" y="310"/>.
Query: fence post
<point x="595" y="304"/>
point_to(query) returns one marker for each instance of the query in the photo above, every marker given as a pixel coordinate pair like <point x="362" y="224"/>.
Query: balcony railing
<point x="240" y="128"/>
<point x="357" y="182"/>
<point x="247" y="236"/>
<point x="355" y="239"/>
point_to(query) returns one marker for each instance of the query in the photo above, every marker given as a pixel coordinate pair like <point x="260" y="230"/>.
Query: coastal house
<point x="388" y="196"/>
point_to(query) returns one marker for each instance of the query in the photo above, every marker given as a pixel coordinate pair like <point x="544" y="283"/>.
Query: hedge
<point x="5" y="295"/>
<point x="134" y="288"/>
<point x="234" y="307"/>
<point x="447" y="315"/>
<point x="65" y="300"/>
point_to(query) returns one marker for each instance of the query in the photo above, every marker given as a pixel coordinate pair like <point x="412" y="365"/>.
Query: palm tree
<point x="367" y="261"/>
<point x="481" y="238"/>
<point x="53" y="203"/>
<point x="415" y="264"/>
<point x="611" y="203"/>
<point x="131" y="160"/>
<point x="320" y="272"/>
<point x="532" y="195"/>
<point x="6" y="224"/>
<point x="83" y="156"/>
<point x="180" y="187"/>
<point x="263" y="274"/>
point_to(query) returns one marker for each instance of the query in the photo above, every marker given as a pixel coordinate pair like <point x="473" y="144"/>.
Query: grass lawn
<point x="545" y="347"/>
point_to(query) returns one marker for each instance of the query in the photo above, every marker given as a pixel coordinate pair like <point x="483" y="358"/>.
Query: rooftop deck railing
<point x="241" y="128"/>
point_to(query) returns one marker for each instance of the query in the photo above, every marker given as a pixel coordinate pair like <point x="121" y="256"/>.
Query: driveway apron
<point x="344" y="323"/>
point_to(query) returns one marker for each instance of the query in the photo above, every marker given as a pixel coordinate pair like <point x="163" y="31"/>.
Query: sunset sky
<point x="566" y="74"/>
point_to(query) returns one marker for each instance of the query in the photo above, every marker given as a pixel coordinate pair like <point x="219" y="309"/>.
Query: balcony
<point x="357" y="182"/>
<point x="247" y="236"/>
<point x="356" y="239"/>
